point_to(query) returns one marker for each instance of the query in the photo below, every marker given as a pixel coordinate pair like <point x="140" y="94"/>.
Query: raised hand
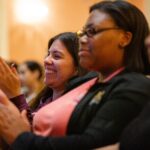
<point x="9" y="80"/>
<point x="12" y="123"/>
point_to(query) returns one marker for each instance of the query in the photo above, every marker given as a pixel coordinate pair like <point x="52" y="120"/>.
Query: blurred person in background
<point x="31" y="77"/>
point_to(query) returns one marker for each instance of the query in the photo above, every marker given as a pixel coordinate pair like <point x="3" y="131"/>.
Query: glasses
<point x="90" y="32"/>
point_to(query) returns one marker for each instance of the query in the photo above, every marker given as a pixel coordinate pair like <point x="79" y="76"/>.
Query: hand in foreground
<point x="9" y="80"/>
<point x="12" y="123"/>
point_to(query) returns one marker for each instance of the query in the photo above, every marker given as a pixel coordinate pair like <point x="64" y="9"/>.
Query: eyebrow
<point x="55" y="51"/>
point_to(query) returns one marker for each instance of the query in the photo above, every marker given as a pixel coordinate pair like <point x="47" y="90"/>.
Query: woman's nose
<point x="48" y="60"/>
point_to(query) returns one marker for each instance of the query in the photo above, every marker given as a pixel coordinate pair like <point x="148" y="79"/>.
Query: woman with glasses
<point x="111" y="42"/>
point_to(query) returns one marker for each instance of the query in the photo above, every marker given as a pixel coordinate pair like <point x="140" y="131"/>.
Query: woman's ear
<point x="125" y="39"/>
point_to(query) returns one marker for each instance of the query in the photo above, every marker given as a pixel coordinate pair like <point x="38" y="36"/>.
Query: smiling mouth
<point x="50" y="71"/>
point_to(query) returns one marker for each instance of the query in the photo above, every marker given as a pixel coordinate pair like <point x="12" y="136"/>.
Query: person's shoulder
<point x="131" y="81"/>
<point x="133" y="77"/>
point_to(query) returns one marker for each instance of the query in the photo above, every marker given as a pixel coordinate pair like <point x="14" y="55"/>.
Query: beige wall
<point x="30" y="41"/>
<point x="25" y="41"/>
<point x="3" y="30"/>
<point x="147" y="9"/>
<point x="144" y="5"/>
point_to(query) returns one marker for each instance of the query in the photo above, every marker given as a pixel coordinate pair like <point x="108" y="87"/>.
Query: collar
<point x="101" y="80"/>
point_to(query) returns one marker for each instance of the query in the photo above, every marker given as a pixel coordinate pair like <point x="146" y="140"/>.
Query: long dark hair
<point x="129" y="18"/>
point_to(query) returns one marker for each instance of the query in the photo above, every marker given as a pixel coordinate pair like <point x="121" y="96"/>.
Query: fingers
<point x="14" y="69"/>
<point x="3" y="111"/>
<point x="3" y="98"/>
<point x="4" y="115"/>
<point x="11" y="124"/>
<point x="9" y="80"/>
<point x="4" y="68"/>
<point x="24" y="115"/>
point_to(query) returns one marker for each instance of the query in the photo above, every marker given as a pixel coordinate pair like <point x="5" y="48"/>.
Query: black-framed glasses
<point x="90" y="32"/>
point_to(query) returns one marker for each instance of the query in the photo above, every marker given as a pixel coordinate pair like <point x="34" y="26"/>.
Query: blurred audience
<point x="31" y="77"/>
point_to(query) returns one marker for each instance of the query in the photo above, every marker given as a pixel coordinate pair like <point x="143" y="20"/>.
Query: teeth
<point x="49" y="71"/>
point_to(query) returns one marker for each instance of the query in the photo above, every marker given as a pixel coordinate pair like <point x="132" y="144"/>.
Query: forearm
<point x="33" y="142"/>
<point x="20" y="102"/>
<point x="28" y="140"/>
